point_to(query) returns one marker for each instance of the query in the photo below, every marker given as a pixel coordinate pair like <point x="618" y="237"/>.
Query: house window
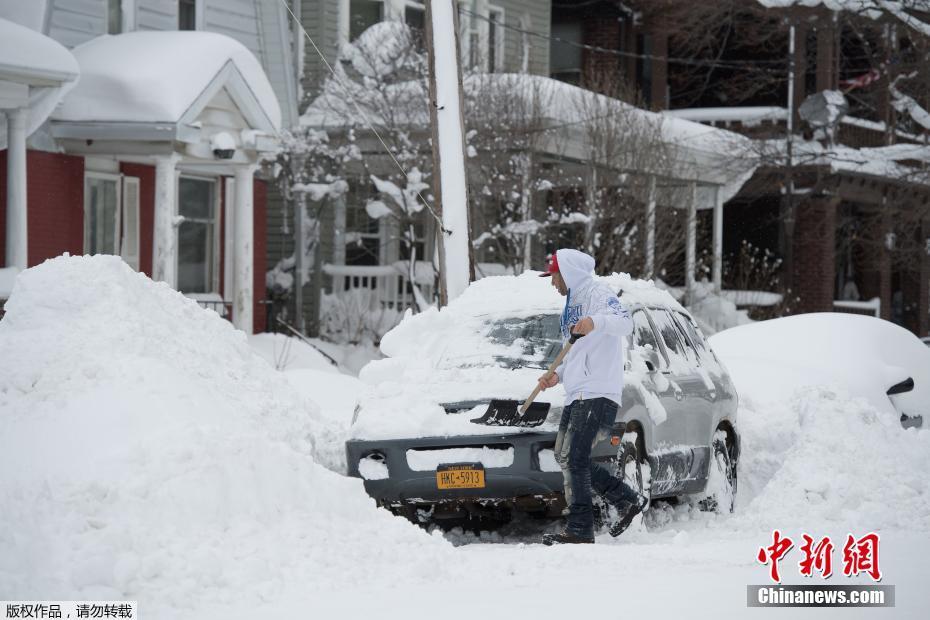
<point x="415" y="17"/>
<point x="362" y="15"/>
<point x="197" y="244"/>
<point x="565" y="53"/>
<point x="101" y="214"/>
<point x="363" y="233"/>
<point x="114" y="16"/>
<point x="187" y="15"/>
<point x="644" y="67"/>
<point x="495" y="39"/>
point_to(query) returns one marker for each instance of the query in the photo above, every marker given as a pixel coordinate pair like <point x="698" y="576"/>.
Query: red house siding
<point x="55" y="203"/>
<point x="146" y="176"/>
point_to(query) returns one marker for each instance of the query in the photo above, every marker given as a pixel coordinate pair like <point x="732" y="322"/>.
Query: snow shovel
<point x="511" y="413"/>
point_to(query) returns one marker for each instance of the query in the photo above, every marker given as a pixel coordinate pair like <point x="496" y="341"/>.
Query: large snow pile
<point x="821" y="443"/>
<point x="148" y="454"/>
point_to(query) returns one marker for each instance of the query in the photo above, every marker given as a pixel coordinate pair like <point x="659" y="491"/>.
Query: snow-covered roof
<point x="702" y="153"/>
<point x="150" y="77"/>
<point x="34" y="60"/>
<point x="30" y="57"/>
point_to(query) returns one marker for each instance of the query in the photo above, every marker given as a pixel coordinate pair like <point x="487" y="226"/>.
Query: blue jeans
<point x="584" y="423"/>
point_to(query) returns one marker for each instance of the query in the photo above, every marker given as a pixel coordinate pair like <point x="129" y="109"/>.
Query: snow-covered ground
<point x="148" y="453"/>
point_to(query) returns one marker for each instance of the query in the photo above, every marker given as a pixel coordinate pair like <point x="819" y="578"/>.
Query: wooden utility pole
<point x="448" y="133"/>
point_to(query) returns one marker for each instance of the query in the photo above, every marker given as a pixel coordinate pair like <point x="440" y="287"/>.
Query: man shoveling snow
<point x="592" y="375"/>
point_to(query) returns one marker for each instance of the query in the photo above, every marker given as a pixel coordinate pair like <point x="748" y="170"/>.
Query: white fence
<point x="873" y="307"/>
<point x="388" y="284"/>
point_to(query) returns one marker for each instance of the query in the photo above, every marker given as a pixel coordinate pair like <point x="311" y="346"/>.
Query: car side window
<point x="678" y="351"/>
<point x="697" y="338"/>
<point x="644" y="338"/>
<point x="691" y="351"/>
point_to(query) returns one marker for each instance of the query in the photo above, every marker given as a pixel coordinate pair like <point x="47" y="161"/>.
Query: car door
<point x="678" y="439"/>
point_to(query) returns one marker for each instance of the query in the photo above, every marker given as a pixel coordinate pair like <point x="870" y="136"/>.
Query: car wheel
<point x="720" y="493"/>
<point x="633" y="467"/>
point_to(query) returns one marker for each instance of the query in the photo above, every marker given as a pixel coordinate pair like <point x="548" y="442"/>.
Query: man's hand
<point x="548" y="380"/>
<point x="584" y="327"/>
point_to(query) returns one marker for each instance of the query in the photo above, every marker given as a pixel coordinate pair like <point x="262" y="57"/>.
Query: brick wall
<point x="55" y="203"/>
<point x="146" y="175"/>
<point x="814" y="255"/>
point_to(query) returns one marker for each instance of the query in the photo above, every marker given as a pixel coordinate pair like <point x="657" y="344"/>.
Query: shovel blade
<point x="507" y="413"/>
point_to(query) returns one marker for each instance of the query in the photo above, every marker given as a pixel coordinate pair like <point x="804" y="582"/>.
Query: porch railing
<point x="388" y="284"/>
<point x="871" y="307"/>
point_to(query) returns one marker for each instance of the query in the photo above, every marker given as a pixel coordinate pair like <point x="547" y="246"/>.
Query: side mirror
<point x="900" y="388"/>
<point x="650" y="358"/>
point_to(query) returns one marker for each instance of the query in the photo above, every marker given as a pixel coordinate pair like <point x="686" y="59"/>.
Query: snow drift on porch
<point x="157" y="76"/>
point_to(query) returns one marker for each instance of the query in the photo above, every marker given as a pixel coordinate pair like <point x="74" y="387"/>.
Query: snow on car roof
<point x="862" y="354"/>
<point x="500" y="297"/>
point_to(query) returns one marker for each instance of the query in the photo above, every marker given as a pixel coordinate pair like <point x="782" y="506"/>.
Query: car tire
<point x="720" y="492"/>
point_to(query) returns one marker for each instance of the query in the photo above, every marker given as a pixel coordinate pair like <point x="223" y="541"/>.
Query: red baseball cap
<point x="552" y="266"/>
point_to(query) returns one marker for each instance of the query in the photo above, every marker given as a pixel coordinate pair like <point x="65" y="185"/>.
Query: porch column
<point x="16" y="220"/>
<point x="165" y="237"/>
<point x="690" y="244"/>
<point x="243" y="247"/>
<point x="339" y="230"/>
<point x="651" y="230"/>
<point x="718" y="242"/>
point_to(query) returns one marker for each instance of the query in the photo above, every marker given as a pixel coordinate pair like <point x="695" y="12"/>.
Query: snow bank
<point x="824" y="457"/>
<point x="288" y="353"/>
<point x="822" y="446"/>
<point x="148" y="454"/>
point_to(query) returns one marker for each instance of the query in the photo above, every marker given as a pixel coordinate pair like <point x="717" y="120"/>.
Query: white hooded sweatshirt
<point x="594" y="366"/>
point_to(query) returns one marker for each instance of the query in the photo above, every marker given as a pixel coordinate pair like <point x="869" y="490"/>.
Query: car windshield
<point x="530" y="342"/>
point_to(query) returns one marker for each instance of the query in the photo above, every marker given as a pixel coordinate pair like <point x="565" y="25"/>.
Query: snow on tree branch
<point x="905" y="103"/>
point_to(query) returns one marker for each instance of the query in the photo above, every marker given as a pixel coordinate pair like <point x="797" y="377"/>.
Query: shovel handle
<point x="555" y="364"/>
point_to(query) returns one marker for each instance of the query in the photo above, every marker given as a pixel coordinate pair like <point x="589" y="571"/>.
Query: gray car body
<point x="698" y="398"/>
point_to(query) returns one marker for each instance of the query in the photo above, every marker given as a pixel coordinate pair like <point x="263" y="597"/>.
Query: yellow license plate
<point x="469" y="476"/>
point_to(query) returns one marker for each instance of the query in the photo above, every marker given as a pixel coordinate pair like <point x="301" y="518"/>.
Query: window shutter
<point x="129" y="246"/>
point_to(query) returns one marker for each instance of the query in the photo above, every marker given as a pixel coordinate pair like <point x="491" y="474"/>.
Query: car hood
<point x="410" y="399"/>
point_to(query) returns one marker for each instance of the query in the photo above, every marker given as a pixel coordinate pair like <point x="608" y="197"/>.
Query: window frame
<point x="214" y="283"/>
<point x="499" y="43"/>
<point x="116" y="179"/>
<point x="198" y="15"/>
<point x="347" y="4"/>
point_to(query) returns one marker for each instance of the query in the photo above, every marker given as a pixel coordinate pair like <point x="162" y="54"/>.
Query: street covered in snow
<point x="136" y="466"/>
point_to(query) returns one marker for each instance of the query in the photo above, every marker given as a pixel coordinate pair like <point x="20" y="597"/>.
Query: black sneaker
<point x="624" y="522"/>
<point x="566" y="538"/>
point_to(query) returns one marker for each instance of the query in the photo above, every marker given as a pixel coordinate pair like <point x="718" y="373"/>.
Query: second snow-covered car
<point x="675" y="433"/>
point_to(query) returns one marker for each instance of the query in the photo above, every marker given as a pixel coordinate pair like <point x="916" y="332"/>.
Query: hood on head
<point x="577" y="268"/>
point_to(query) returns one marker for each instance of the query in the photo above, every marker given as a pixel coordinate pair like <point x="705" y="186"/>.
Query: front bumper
<point x="523" y="483"/>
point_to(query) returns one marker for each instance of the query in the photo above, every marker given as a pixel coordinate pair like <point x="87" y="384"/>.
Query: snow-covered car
<point x="867" y="357"/>
<point x="926" y="340"/>
<point x="675" y="433"/>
